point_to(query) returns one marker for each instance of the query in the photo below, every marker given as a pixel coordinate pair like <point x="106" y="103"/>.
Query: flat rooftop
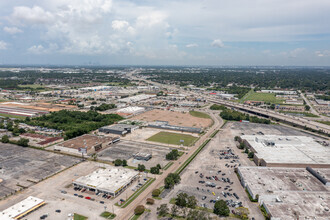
<point x="300" y="205"/>
<point x="271" y="180"/>
<point x="120" y="127"/>
<point x="85" y="141"/>
<point x="288" y="149"/>
<point x="25" y="206"/>
<point x="109" y="179"/>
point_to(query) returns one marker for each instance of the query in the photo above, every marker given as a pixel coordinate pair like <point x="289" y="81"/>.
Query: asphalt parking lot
<point x="124" y="150"/>
<point x="23" y="167"/>
<point x="211" y="175"/>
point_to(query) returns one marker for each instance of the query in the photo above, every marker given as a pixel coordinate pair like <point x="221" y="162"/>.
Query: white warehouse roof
<point x="20" y="209"/>
<point x="108" y="179"/>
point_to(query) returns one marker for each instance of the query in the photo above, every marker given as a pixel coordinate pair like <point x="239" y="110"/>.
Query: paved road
<point x="127" y="212"/>
<point x="288" y="118"/>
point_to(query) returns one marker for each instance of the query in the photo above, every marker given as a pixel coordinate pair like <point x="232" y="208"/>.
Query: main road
<point x="127" y="212"/>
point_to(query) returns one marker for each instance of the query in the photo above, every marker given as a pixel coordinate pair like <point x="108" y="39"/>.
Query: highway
<point x="276" y="115"/>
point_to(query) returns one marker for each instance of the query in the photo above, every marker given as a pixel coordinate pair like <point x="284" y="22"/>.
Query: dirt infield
<point x="174" y="118"/>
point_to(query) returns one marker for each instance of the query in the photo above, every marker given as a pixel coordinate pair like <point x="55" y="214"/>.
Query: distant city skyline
<point x="195" y="32"/>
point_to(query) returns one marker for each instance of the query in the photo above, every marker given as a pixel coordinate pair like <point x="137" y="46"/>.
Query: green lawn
<point x="199" y="114"/>
<point x="79" y="217"/>
<point x="172" y="138"/>
<point x="266" y="97"/>
<point x="12" y="116"/>
<point x="108" y="215"/>
<point x="325" y="122"/>
<point x="306" y="114"/>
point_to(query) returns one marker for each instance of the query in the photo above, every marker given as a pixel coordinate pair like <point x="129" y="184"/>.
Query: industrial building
<point x="86" y="144"/>
<point x="119" y="129"/>
<point x="286" y="192"/>
<point x="110" y="180"/>
<point x="22" y="208"/>
<point x="142" y="156"/>
<point x="137" y="98"/>
<point x="165" y="125"/>
<point x="287" y="151"/>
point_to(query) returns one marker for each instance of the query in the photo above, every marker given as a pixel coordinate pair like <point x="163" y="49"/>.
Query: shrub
<point x="156" y="192"/>
<point x="150" y="201"/>
<point x="139" y="210"/>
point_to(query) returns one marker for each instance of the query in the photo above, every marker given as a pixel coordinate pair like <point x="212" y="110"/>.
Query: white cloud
<point x="192" y="45"/>
<point x="12" y="30"/>
<point x="119" y="25"/>
<point x="294" y="53"/>
<point x="217" y="43"/>
<point x="34" y="15"/>
<point x="3" y="45"/>
<point x="39" y="49"/>
<point x="324" y="53"/>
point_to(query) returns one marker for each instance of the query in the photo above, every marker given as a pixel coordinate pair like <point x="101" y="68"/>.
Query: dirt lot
<point x="23" y="167"/>
<point x="174" y="118"/>
<point x="44" y="106"/>
<point x="50" y="191"/>
<point x="124" y="150"/>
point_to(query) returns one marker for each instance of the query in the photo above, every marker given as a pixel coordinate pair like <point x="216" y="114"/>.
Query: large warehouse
<point x="167" y="126"/>
<point x="22" y="208"/>
<point x="285" y="191"/>
<point x="86" y="144"/>
<point x="287" y="151"/>
<point x="110" y="180"/>
<point x="119" y="129"/>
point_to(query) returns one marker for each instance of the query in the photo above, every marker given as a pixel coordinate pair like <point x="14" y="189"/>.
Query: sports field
<point x="258" y="96"/>
<point x="172" y="138"/>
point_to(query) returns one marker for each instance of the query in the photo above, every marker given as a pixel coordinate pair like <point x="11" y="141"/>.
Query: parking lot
<point x="124" y="150"/>
<point x="211" y="177"/>
<point x="22" y="167"/>
<point x="59" y="194"/>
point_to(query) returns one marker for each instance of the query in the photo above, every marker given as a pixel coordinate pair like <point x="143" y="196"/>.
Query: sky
<point x="165" y="32"/>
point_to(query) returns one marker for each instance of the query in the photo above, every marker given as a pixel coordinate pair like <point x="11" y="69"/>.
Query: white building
<point x="110" y="180"/>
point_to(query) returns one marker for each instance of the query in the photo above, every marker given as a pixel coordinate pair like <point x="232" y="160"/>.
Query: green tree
<point x="171" y="180"/>
<point x="221" y="208"/>
<point x="154" y="170"/>
<point x="181" y="200"/>
<point x="139" y="210"/>
<point x="118" y="162"/>
<point x="156" y="192"/>
<point x="23" y="142"/>
<point x="174" y="211"/>
<point x="192" y="202"/>
<point x="307" y="107"/>
<point x="124" y="163"/>
<point x="5" y="139"/>
<point x="173" y="155"/>
<point x="162" y="210"/>
<point x="250" y="155"/>
<point x="141" y="167"/>
<point x="159" y="167"/>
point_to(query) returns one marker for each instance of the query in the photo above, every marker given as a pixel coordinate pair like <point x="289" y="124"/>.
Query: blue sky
<point x="151" y="32"/>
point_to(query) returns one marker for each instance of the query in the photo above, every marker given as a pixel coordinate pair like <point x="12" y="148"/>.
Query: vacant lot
<point x="266" y="97"/>
<point x="172" y="138"/>
<point x="174" y="118"/>
<point x="124" y="150"/>
<point x="22" y="167"/>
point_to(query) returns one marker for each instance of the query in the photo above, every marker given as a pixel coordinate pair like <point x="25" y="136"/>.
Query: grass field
<point x="199" y="114"/>
<point x="172" y="138"/>
<point x="79" y="217"/>
<point x="325" y="122"/>
<point x="12" y="116"/>
<point x="266" y="97"/>
<point x="306" y="114"/>
<point x="108" y="215"/>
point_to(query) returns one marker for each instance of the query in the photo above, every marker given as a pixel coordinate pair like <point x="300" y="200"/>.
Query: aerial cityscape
<point x="132" y="110"/>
